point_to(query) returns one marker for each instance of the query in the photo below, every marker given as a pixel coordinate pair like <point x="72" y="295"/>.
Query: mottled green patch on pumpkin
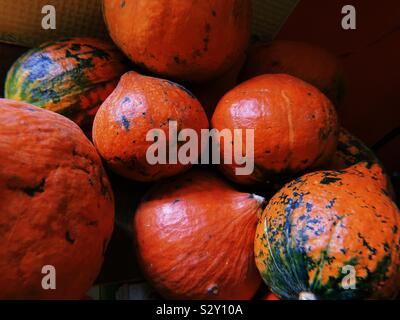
<point x="42" y="78"/>
<point x="289" y="262"/>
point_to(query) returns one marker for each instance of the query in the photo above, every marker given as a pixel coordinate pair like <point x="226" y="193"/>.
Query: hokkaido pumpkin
<point x="195" y="237"/>
<point x="56" y="204"/>
<point x="188" y="40"/>
<point x="350" y="151"/>
<point x="295" y="126"/>
<point x="71" y="77"/>
<point x="137" y="105"/>
<point x="308" y="62"/>
<point x="330" y="235"/>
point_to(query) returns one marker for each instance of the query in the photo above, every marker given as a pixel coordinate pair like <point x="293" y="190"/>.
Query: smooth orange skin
<point x="362" y="213"/>
<point x="308" y="62"/>
<point x="137" y="105"/>
<point x="195" y="237"/>
<point x="188" y="40"/>
<point x="295" y="125"/>
<point x="56" y="204"/>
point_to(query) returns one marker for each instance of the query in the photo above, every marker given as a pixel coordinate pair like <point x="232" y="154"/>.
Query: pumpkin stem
<point x="304" y="295"/>
<point x="259" y="199"/>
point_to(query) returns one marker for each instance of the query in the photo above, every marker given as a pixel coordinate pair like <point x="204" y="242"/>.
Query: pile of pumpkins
<point x="330" y="231"/>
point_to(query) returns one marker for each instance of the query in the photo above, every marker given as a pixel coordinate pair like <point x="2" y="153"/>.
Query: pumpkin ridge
<point x="288" y="108"/>
<point x="288" y="230"/>
<point x="293" y="249"/>
<point x="296" y="284"/>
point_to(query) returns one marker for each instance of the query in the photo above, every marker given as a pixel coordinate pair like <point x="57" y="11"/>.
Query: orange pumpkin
<point x="308" y="62"/>
<point x="180" y="39"/>
<point x="56" y="204"/>
<point x="330" y="235"/>
<point x="137" y="105"/>
<point x="195" y="237"/>
<point x="295" y="126"/>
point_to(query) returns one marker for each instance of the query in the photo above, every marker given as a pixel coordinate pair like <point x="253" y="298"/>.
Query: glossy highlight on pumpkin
<point x="71" y="77"/>
<point x="195" y="238"/>
<point x="295" y="126"/>
<point x="56" y="204"/>
<point x="188" y="40"/>
<point x="137" y="105"/>
<point x="323" y="222"/>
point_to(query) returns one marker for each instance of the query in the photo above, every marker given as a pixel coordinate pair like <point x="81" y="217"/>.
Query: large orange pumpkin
<point x="308" y="62"/>
<point x="137" y="105"/>
<point x="188" y="40"/>
<point x="195" y="237"/>
<point x="295" y="126"/>
<point x="330" y="235"/>
<point x="56" y="204"/>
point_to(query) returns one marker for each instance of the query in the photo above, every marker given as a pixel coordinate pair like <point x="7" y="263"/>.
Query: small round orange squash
<point x="195" y="237"/>
<point x="295" y="126"/>
<point x="330" y="235"/>
<point x="137" y="105"/>
<point x="56" y="204"/>
<point x="187" y="40"/>
<point x="308" y="62"/>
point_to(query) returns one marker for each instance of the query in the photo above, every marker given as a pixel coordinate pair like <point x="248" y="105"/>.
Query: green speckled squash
<point x="351" y="150"/>
<point x="320" y="228"/>
<point x="71" y="77"/>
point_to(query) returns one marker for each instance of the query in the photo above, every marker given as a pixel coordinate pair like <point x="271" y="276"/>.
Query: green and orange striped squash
<point x="71" y="77"/>
<point x="323" y="226"/>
